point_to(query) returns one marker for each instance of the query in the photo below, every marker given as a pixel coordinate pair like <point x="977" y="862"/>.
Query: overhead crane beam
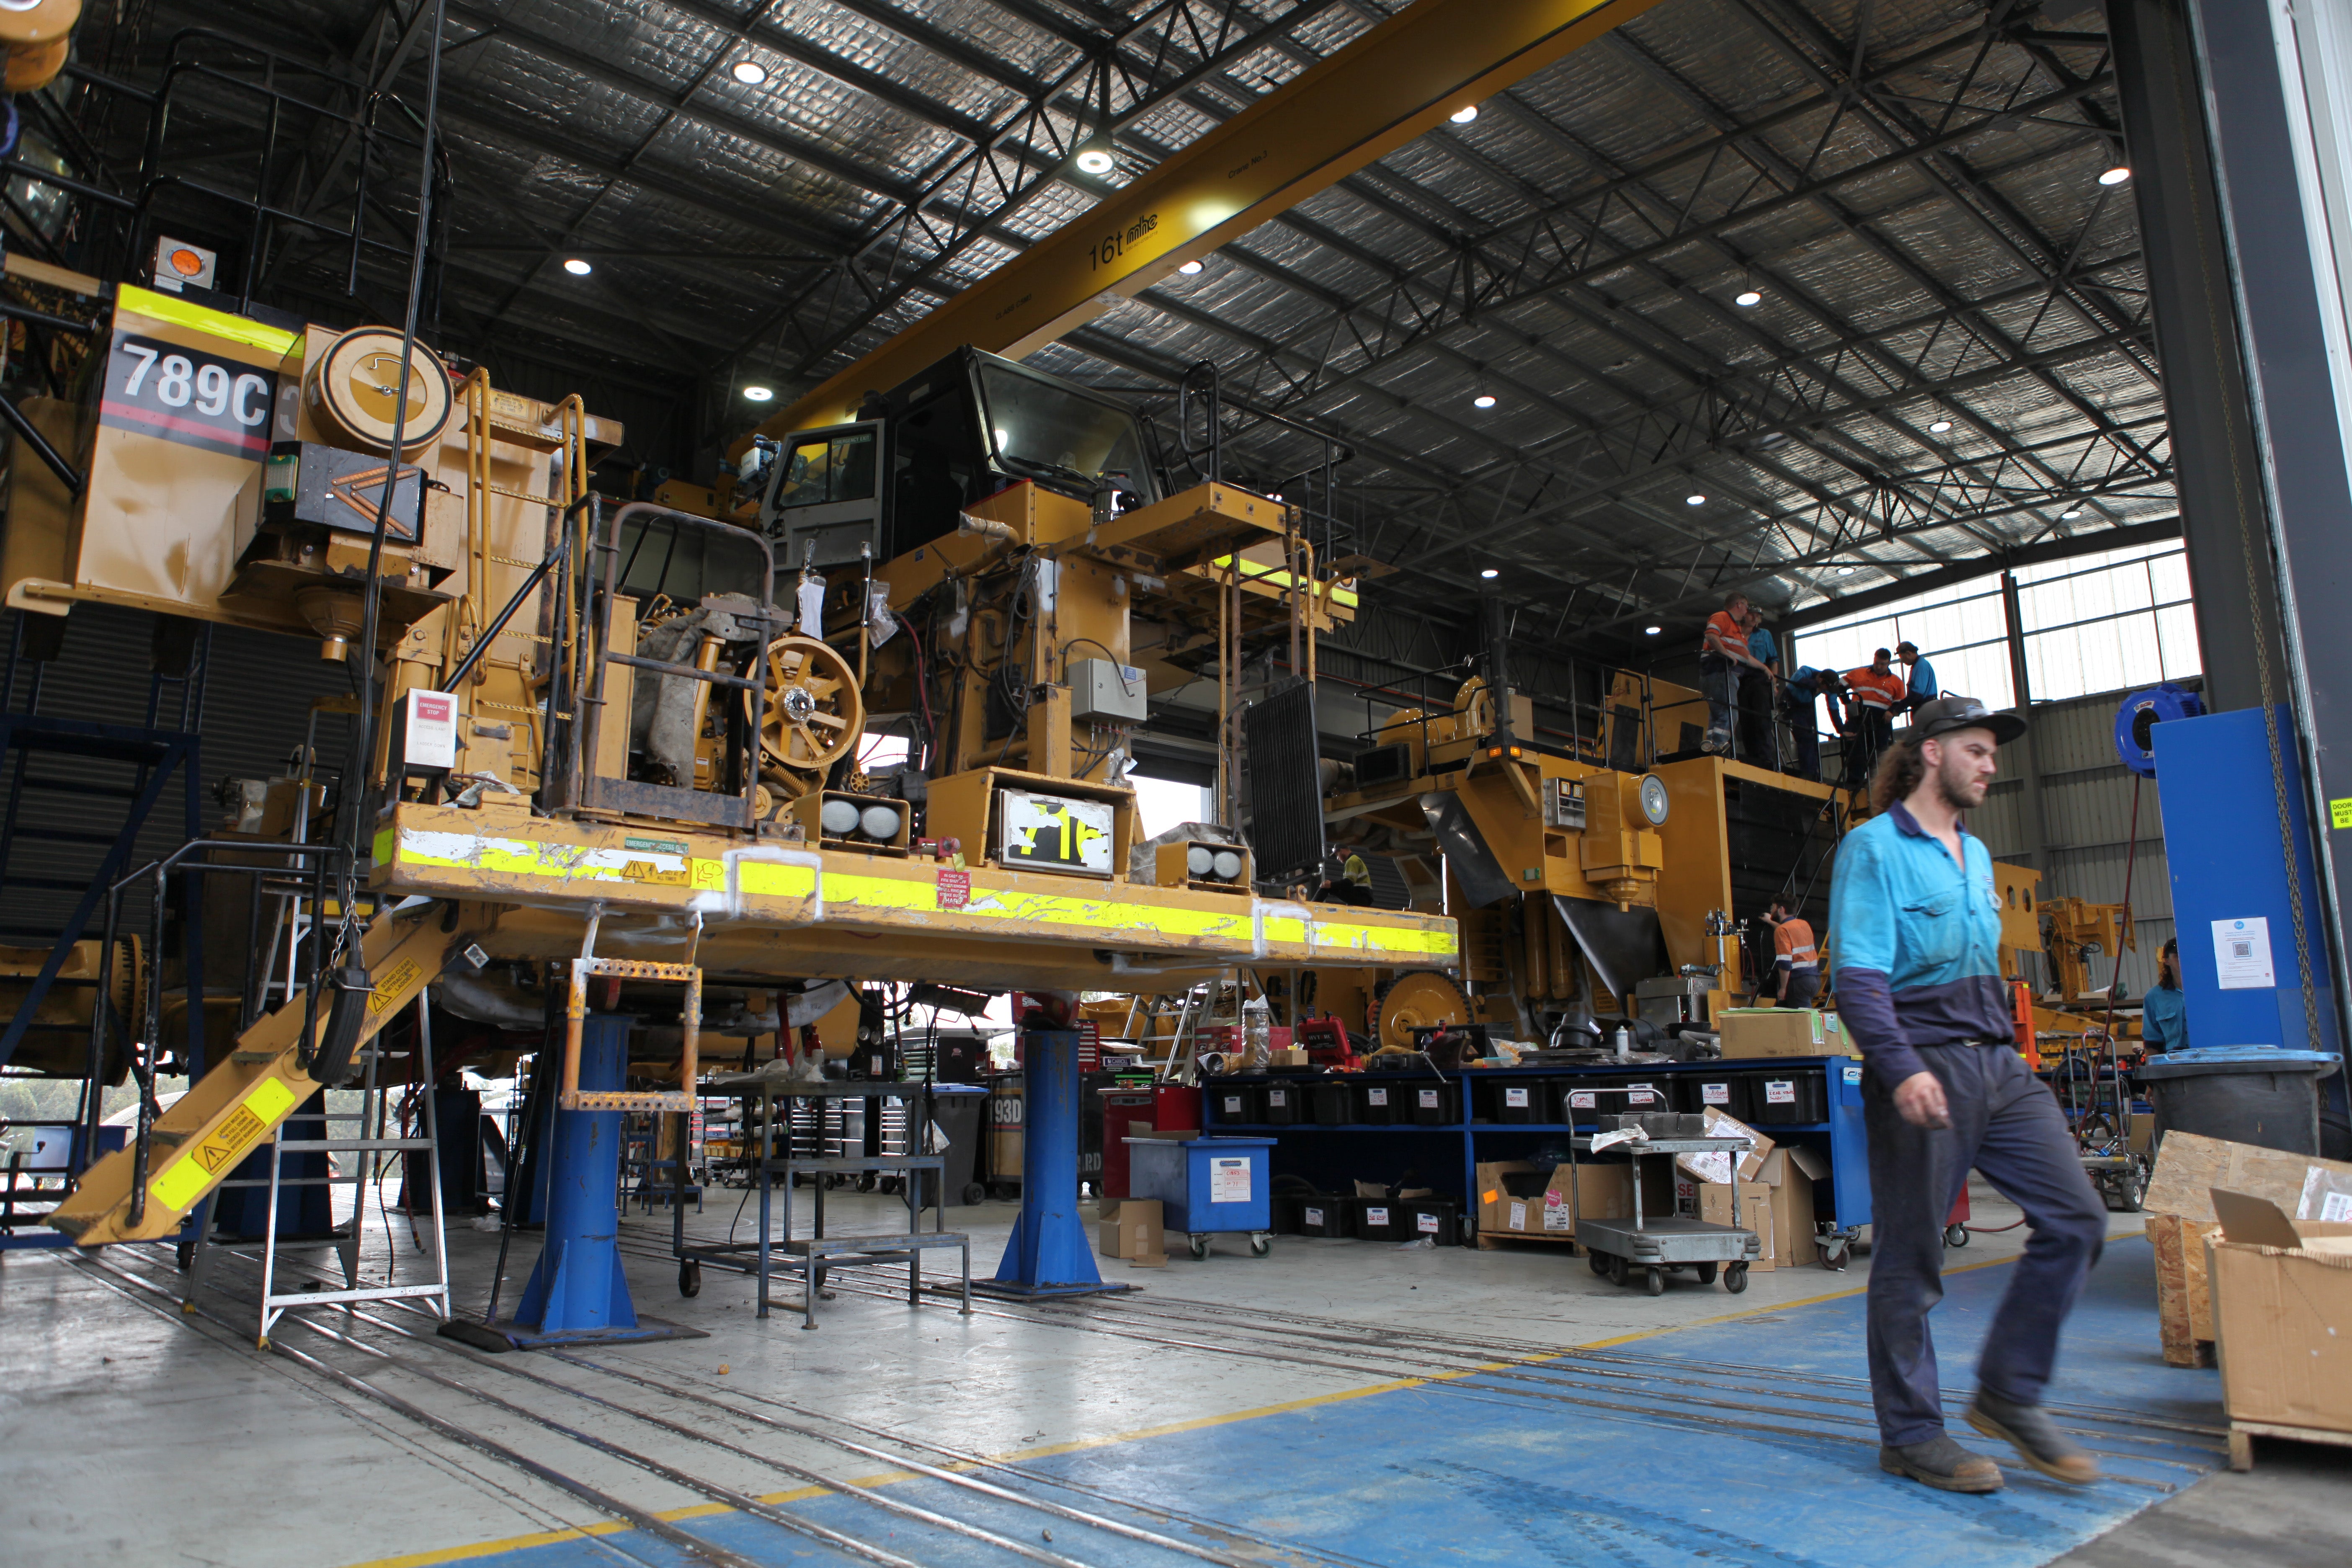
<point x="1393" y="84"/>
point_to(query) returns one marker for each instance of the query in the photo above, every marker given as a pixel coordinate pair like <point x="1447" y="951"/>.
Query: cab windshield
<point x="1048" y="430"/>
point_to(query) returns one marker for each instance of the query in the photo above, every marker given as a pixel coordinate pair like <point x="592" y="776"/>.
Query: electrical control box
<point x="1105" y="693"/>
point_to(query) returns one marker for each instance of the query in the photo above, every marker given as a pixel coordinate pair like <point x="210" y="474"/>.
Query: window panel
<point x="2177" y="628"/>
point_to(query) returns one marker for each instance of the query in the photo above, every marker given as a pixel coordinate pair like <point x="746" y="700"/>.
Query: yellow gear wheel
<point x="1417" y="999"/>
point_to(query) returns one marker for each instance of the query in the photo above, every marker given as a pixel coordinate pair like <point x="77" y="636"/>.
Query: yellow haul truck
<point x="635" y="735"/>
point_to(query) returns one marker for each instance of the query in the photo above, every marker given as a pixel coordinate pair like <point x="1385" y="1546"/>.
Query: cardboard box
<point x="1716" y="1167"/>
<point x="2189" y="1167"/>
<point x="1782" y="1032"/>
<point x="1131" y="1229"/>
<point x="1778" y="1206"/>
<point x="2181" y="1225"/>
<point x="1511" y="1205"/>
<point x="2281" y="1288"/>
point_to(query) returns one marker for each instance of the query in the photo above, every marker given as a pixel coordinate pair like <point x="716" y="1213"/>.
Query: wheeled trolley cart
<point x="1206" y="1186"/>
<point x="1655" y="1246"/>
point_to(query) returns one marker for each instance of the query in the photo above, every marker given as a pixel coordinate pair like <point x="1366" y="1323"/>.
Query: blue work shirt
<point x="1914" y="941"/>
<point x="2164" y="1018"/>
<point x="1797" y="694"/>
<point x="1921" y="682"/>
<point x="1761" y="644"/>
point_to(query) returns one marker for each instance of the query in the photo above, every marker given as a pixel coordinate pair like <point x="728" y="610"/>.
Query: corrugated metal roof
<point x="1909" y="186"/>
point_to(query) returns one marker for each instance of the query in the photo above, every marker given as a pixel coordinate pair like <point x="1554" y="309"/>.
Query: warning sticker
<point x="387" y="992"/>
<point x="955" y="890"/>
<point x="187" y="1178"/>
<point x="2339" y="813"/>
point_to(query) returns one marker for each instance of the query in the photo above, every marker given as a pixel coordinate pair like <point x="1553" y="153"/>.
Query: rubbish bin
<point x="960" y="1112"/>
<point x="2248" y="1094"/>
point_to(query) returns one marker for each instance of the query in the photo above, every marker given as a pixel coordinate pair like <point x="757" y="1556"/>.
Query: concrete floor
<point x="1229" y="1371"/>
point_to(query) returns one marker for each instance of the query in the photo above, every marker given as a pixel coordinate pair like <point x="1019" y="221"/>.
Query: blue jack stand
<point x="1050" y="1253"/>
<point x="578" y="1294"/>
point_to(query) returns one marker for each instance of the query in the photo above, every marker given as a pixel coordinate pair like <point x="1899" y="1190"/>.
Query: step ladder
<point x="143" y="1193"/>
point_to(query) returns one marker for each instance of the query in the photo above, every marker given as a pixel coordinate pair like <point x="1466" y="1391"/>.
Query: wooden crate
<point x="2184" y="1300"/>
<point x="2243" y="1433"/>
<point x="1488" y="1240"/>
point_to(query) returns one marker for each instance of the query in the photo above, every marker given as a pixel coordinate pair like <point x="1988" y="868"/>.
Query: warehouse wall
<point x="2086" y="808"/>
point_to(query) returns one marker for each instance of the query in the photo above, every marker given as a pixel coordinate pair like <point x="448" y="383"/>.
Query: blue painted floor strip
<point x="1747" y="1442"/>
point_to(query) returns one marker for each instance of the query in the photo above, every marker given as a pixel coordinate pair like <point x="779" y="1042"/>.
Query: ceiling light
<point x="1694" y="501"/>
<point x="758" y="394"/>
<point x="1465" y="114"/>
<point x="1846" y="570"/>
<point x="577" y="266"/>
<point x="1940" y="427"/>
<point x="1096" y="157"/>
<point x="2115" y="176"/>
<point x="2071" y="513"/>
<point x="1484" y="400"/>
<point x="1747" y="296"/>
<point x="1191" y="269"/>
<point x="1652" y="631"/>
<point x="1491" y="572"/>
<point x="750" y="73"/>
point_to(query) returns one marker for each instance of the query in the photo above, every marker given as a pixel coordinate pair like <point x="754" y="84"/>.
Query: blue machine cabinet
<point x="2227" y="823"/>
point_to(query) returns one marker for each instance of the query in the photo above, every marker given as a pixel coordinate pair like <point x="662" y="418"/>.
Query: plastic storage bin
<point x="1332" y="1104"/>
<point x="1511" y="1100"/>
<point x="1787" y="1097"/>
<point x="1380" y="1219"/>
<point x="1713" y="1089"/>
<point x="1205" y="1185"/>
<point x="1232" y="1104"/>
<point x="1282" y="1104"/>
<point x="1324" y="1215"/>
<point x="1431" y="1104"/>
<point x="1379" y="1098"/>
<point x="1439" y="1219"/>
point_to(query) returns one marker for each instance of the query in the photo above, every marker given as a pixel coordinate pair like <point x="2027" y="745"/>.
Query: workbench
<point x="813" y="1257"/>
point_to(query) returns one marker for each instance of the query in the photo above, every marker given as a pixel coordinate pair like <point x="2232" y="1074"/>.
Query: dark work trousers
<point x="1759" y="743"/>
<point x="2006" y="1124"/>
<point x="1804" y="984"/>
<point x="1868" y="732"/>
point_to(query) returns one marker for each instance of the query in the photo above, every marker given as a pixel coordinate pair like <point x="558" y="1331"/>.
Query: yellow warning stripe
<point x="1258" y="572"/>
<point x="184" y="1180"/>
<point x="204" y="319"/>
<point x="1236" y="926"/>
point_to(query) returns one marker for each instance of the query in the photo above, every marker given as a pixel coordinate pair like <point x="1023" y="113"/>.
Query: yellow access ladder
<point x="239" y="1104"/>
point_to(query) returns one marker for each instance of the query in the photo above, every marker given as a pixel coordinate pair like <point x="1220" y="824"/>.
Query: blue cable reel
<point x="2141" y="712"/>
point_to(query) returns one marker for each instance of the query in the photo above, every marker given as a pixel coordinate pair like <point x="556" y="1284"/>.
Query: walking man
<point x="1917" y="920"/>
<point x="1796" y="963"/>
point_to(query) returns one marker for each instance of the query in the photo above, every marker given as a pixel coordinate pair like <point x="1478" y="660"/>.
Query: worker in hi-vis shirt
<point x="1796" y="963"/>
<point x="1915" y="915"/>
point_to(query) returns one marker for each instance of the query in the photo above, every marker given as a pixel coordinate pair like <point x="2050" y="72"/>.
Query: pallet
<point x="2243" y="1433"/>
<point x="1491" y="1241"/>
<point x="2184" y="1298"/>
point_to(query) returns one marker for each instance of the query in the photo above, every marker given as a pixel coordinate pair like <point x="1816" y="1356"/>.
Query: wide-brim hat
<point x="1945" y="714"/>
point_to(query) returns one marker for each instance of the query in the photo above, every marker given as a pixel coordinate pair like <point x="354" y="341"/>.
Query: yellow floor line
<point x="1197" y="1423"/>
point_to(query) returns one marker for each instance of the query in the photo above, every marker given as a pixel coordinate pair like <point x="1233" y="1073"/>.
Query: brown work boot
<point x="1942" y="1464"/>
<point x="2029" y="1429"/>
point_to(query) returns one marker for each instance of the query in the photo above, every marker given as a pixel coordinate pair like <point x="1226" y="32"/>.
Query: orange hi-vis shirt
<point x="1793" y="946"/>
<point x="1724" y="634"/>
<point x="1872" y="690"/>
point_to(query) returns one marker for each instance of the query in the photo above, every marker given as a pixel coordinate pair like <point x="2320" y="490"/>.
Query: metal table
<point x="811" y="1258"/>
<point x="1618" y="1247"/>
